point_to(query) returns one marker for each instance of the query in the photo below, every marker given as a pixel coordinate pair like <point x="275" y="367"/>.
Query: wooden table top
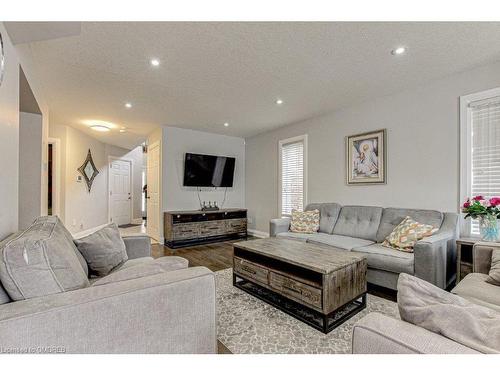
<point x="320" y="258"/>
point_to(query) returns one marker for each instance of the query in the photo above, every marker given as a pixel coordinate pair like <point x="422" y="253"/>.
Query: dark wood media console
<point x="185" y="228"/>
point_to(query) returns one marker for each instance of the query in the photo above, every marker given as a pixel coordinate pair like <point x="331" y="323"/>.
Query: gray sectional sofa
<point x="363" y="228"/>
<point x="128" y="311"/>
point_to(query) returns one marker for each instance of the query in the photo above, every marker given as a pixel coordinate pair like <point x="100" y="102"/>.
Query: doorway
<point x="153" y="191"/>
<point x="120" y="190"/>
<point x="53" y="177"/>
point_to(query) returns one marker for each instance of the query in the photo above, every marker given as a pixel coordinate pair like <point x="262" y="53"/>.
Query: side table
<point x="464" y="256"/>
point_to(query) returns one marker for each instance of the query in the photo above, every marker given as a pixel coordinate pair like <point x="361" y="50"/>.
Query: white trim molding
<point x="258" y="233"/>
<point x="466" y="148"/>
<point x="301" y="138"/>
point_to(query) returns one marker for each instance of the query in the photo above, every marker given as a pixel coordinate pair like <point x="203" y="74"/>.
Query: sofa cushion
<point x="103" y="250"/>
<point x="294" y="236"/>
<point x="359" y="222"/>
<point x="494" y="274"/>
<point x="304" y="221"/>
<point x="425" y="305"/>
<point x="387" y="259"/>
<point x="134" y="262"/>
<point x="475" y="288"/>
<point x="40" y="261"/>
<point x="329" y="213"/>
<point x="391" y="217"/>
<point x="145" y="268"/>
<point x="4" y="297"/>
<point x="341" y="242"/>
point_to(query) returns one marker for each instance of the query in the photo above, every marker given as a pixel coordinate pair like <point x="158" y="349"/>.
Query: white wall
<point x="176" y="142"/>
<point x="9" y="139"/>
<point x="422" y="147"/>
<point x="84" y="210"/>
<point x="9" y="133"/>
<point x="30" y="161"/>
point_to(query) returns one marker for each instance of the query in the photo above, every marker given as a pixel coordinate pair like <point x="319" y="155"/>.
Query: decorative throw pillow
<point x="40" y="261"/>
<point x="427" y="306"/>
<point x="305" y="221"/>
<point x="103" y="250"/>
<point x="406" y="234"/>
<point x="494" y="274"/>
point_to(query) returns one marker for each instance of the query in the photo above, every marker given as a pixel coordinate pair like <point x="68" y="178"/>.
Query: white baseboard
<point x="258" y="233"/>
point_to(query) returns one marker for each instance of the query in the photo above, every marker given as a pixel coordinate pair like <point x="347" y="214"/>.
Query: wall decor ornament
<point x="2" y="59"/>
<point x="366" y="158"/>
<point x="88" y="170"/>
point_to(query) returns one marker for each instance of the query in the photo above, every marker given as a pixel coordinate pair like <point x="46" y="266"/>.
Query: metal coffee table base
<point x="321" y="322"/>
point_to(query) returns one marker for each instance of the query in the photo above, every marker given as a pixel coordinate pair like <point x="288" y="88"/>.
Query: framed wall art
<point x="366" y="158"/>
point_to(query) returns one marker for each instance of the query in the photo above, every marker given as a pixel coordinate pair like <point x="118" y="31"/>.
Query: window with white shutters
<point x="480" y="149"/>
<point x="292" y="174"/>
<point x="485" y="153"/>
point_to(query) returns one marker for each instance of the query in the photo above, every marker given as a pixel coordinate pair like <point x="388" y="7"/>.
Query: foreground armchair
<point x="129" y="311"/>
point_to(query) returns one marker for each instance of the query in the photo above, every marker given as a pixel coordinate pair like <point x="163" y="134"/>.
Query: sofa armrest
<point x="172" y="312"/>
<point x="434" y="258"/>
<point x="137" y="246"/>
<point x="279" y="226"/>
<point x="481" y="256"/>
<point x="380" y="334"/>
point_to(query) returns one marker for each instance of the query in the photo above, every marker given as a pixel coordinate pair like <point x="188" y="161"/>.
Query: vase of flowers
<point x="487" y="212"/>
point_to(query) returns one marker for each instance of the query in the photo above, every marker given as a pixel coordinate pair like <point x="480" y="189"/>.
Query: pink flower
<point x="466" y="204"/>
<point x="478" y="198"/>
<point x="495" y="201"/>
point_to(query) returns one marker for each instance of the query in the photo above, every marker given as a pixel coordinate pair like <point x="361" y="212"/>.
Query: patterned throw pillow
<point x="407" y="233"/>
<point x="305" y="221"/>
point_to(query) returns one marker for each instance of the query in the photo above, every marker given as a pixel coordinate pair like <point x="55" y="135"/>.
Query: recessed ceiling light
<point x="398" y="51"/>
<point x="226" y="124"/>
<point x="155" y="62"/>
<point x="128" y="105"/>
<point x="279" y="101"/>
<point x="100" y="128"/>
<point x="123" y="130"/>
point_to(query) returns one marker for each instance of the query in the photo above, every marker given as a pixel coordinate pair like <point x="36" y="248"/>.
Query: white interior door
<point x="153" y="195"/>
<point x="120" y="196"/>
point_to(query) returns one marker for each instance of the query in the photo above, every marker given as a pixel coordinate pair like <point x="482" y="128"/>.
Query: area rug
<point x="247" y="325"/>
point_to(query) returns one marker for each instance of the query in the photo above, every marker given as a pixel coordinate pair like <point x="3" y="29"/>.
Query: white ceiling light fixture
<point x="279" y="101"/>
<point x="155" y="62"/>
<point x="123" y="130"/>
<point x="226" y="124"/>
<point x="399" y="51"/>
<point x="128" y="105"/>
<point x="100" y="128"/>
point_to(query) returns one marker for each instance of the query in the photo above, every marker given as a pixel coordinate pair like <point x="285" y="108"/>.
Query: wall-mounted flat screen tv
<point x="208" y="170"/>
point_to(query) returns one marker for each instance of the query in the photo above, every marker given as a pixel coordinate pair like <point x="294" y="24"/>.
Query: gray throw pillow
<point x="494" y="274"/>
<point x="40" y="261"/>
<point x="103" y="250"/>
<point x="425" y="305"/>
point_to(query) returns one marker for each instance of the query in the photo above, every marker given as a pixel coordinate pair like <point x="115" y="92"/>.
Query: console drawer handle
<point x="248" y="269"/>
<point x="292" y="289"/>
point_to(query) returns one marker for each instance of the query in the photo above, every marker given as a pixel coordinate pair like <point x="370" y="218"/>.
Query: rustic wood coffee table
<point x="317" y="284"/>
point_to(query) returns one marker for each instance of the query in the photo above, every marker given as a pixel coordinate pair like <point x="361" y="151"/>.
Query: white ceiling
<point x="212" y="73"/>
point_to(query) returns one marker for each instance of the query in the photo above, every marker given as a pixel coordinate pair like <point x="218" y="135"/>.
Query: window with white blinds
<point x="292" y="174"/>
<point x="485" y="150"/>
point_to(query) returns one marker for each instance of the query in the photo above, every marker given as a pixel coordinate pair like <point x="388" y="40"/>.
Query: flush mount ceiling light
<point x="399" y="51"/>
<point x="100" y="128"/>
<point x="128" y="105"/>
<point x="155" y="62"/>
<point x="279" y="101"/>
<point x="226" y="124"/>
<point x="123" y="130"/>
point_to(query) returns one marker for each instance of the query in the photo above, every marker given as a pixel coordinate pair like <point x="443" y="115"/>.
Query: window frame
<point x="300" y="138"/>
<point x="465" y="172"/>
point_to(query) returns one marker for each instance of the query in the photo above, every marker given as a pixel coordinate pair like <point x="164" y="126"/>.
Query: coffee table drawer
<point x="251" y="270"/>
<point x="296" y="289"/>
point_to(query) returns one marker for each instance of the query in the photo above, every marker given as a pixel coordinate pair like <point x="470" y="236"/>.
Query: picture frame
<point x="366" y="161"/>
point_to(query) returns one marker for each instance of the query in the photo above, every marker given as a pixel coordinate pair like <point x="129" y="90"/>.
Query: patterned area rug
<point x="248" y="325"/>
